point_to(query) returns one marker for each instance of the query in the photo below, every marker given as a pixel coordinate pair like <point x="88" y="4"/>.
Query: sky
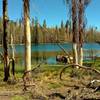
<point x="53" y="11"/>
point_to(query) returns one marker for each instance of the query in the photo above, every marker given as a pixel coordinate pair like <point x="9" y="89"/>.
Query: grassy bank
<point x="19" y="69"/>
<point x="46" y="80"/>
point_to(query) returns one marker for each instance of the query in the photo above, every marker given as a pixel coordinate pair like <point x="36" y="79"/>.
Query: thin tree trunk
<point x="74" y="30"/>
<point x="5" y="41"/>
<point x="13" y="57"/>
<point x="80" y="17"/>
<point x="75" y="59"/>
<point x="27" y="37"/>
<point x="12" y="47"/>
<point x="81" y="55"/>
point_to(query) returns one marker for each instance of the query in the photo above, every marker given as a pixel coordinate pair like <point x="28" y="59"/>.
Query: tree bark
<point x="80" y="17"/>
<point x="27" y="37"/>
<point x="5" y="41"/>
<point x="12" y="46"/>
<point x="12" y="56"/>
<point x="74" y="30"/>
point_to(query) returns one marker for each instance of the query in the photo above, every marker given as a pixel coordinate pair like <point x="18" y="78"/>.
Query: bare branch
<point x="64" y="51"/>
<point x="75" y="65"/>
<point x="33" y="69"/>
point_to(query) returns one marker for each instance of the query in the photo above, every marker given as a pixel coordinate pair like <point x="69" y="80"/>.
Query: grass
<point x="18" y="98"/>
<point x="22" y="97"/>
<point x="48" y="69"/>
<point x="53" y="85"/>
<point x="46" y="77"/>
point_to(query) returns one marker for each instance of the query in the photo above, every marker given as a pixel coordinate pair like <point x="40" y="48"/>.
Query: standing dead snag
<point x="13" y="57"/>
<point x="80" y="27"/>
<point x="5" y="41"/>
<point x="74" y="30"/>
<point x="27" y="39"/>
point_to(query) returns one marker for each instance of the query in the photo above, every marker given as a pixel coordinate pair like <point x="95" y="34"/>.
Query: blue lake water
<point x="52" y="47"/>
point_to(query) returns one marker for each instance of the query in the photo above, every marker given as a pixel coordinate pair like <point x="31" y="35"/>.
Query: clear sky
<point x="52" y="10"/>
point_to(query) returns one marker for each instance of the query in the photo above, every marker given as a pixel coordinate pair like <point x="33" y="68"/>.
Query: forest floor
<point x="75" y="84"/>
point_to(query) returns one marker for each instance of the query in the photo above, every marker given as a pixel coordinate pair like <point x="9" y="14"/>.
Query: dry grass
<point x="48" y="86"/>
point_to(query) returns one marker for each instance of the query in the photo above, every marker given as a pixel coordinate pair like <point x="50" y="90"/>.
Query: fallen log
<point x="93" y="86"/>
<point x="69" y="56"/>
<point x="75" y="66"/>
<point x="57" y="95"/>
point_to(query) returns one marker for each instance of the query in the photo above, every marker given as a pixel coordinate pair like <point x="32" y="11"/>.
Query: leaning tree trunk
<point x="80" y="17"/>
<point x="27" y="38"/>
<point x="74" y="30"/>
<point x="5" y="41"/>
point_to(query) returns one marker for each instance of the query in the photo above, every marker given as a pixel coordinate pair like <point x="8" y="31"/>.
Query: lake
<point x="49" y="51"/>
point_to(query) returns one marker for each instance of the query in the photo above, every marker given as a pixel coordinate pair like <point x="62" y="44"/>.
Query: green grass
<point x="18" y="98"/>
<point x="22" y="97"/>
<point x="46" y="77"/>
<point x="55" y="69"/>
<point x="53" y="85"/>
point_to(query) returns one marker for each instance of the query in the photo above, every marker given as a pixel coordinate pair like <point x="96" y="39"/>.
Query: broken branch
<point x="75" y="65"/>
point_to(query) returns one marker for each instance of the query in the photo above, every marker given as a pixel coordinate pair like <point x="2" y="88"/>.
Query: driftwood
<point x="65" y="52"/>
<point x="91" y="85"/>
<point x="75" y="65"/>
<point x="57" y="95"/>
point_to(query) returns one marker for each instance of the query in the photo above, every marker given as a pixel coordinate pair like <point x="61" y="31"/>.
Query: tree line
<point x="39" y="33"/>
<point x="44" y="34"/>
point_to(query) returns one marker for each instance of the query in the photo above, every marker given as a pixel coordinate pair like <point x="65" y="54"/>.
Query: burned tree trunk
<point x="5" y="41"/>
<point x="80" y="17"/>
<point x="74" y="30"/>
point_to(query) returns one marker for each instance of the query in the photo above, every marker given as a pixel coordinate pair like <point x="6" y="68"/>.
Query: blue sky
<point x="52" y="10"/>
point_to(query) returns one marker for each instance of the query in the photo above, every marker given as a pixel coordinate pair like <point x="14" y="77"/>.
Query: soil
<point x="48" y="86"/>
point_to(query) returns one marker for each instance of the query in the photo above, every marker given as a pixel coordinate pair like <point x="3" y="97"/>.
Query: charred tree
<point x="5" y="41"/>
<point x="81" y="29"/>
<point x="74" y="30"/>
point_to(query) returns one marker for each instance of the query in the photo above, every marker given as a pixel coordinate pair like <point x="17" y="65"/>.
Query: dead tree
<point x="74" y="30"/>
<point x="81" y="29"/>
<point x="27" y="35"/>
<point x="13" y="57"/>
<point x="5" y="41"/>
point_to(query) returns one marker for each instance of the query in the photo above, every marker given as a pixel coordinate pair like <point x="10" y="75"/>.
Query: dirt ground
<point x="48" y="86"/>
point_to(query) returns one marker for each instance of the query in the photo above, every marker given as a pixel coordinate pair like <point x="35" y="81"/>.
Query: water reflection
<point x="49" y="51"/>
